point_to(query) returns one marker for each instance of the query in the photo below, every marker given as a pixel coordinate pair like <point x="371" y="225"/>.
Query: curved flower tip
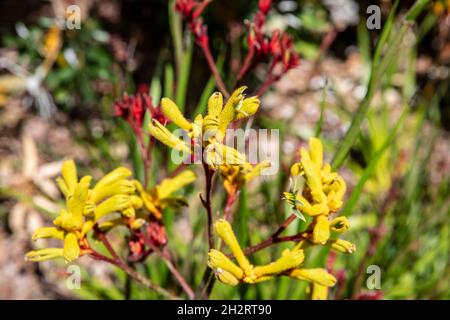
<point x="170" y="185"/>
<point x="248" y="108"/>
<point x="171" y="111"/>
<point x="229" y="111"/>
<point x="69" y="173"/>
<point x="316" y="151"/>
<point x="162" y="134"/>
<point x="71" y="250"/>
<point x="319" y="292"/>
<point x="48" y="232"/>
<point x="224" y="230"/>
<point x="339" y="224"/>
<point x="343" y="246"/>
<point x="288" y="260"/>
<point x="119" y="202"/>
<point x="215" y="104"/>
<point x="321" y="231"/>
<point x="116" y="176"/>
<point x="137" y="224"/>
<point x="317" y="275"/>
<point x="226" y="277"/>
<point x="217" y="260"/>
<point x="44" y="254"/>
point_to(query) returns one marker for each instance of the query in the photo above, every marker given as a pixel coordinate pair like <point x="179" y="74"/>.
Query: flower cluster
<point x="85" y="206"/>
<point x="133" y="108"/>
<point x="276" y="47"/>
<point x="89" y="208"/>
<point x="208" y="134"/>
<point x="321" y="196"/>
<point x="244" y="272"/>
<point x="191" y="11"/>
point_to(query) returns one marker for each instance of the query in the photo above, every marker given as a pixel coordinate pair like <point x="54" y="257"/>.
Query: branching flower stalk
<point x="321" y="195"/>
<point x="277" y="48"/>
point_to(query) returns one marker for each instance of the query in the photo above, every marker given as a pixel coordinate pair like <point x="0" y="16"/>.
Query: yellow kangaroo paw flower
<point x="171" y="110"/>
<point x="318" y="275"/>
<point x="288" y="260"/>
<point x="218" y="260"/>
<point x="69" y="173"/>
<point x="224" y="230"/>
<point x="44" y="254"/>
<point x="71" y="250"/>
<point x="215" y="104"/>
<point x="319" y="292"/>
<point x="341" y="245"/>
<point x="48" y="232"/>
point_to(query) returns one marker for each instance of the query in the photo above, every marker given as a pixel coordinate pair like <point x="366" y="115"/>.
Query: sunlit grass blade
<point x="371" y="167"/>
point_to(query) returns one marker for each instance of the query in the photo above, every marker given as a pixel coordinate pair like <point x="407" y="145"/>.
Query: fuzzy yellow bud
<point x="69" y="173"/>
<point x="342" y="246"/>
<point x="226" y="277"/>
<point x="228" y="112"/>
<point x="321" y="231"/>
<point x="248" y="108"/>
<point x="171" y="185"/>
<point x="224" y="230"/>
<point x="288" y="260"/>
<point x="44" y="254"/>
<point x="112" y="177"/>
<point x="119" y="202"/>
<point x="215" y="104"/>
<point x="318" y="292"/>
<point x="137" y="224"/>
<point x="217" y="259"/>
<point x="48" y="232"/>
<point x="339" y="224"/>
<point x="119" y="187"/>
<point x="160" y="132"/>
<point x="171" y="110"/>
<point x="316" y="152"/>
<point x="317" y="275"/>
<point x="71" y="248"/>
<point x="67" y="221"/>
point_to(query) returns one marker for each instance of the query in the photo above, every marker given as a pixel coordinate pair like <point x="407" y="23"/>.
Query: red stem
<point x="247" y="63"/>
<point x="183" y="283"/>
<point x="125" y="267"/>
<point x="207" y="203"/>
<point x="212" y="66"/>
<point x="227" y="212"/>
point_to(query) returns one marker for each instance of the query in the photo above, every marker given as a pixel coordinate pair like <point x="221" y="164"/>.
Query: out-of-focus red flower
<point x="156" y="234"/>
<point x="277" y="47"/>
<point x="185" y="7"/>
<point x="137" y="247"/>
<point x="143" y="88"/>
<point x="264" y="6"/>
<point x="142" y="243"/>
<point x="191" y="11"/>
<point x="133" y="108"/>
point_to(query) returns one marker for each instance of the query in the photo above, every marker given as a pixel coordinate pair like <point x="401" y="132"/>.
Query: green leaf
<point x="371" y="167"/>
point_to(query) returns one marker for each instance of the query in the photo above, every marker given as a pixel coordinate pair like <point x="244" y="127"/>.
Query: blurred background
<point x="58" y="105"/>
